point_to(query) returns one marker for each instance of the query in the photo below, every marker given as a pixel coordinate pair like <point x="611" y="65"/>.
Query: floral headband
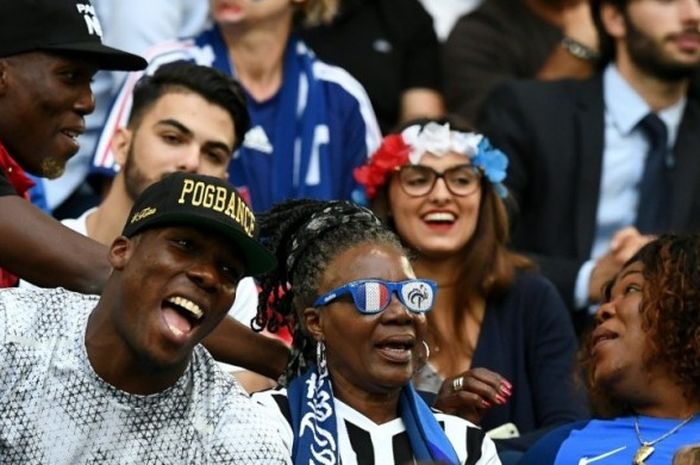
<point x="414" y="141"/>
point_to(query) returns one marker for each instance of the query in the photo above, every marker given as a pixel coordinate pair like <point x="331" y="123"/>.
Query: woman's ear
<point x="312" y="322"/>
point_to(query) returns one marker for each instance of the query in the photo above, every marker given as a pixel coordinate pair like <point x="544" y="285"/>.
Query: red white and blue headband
<point x="438" y="139"/>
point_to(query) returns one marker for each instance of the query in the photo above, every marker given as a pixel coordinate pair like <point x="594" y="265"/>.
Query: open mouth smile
<point x="181" y="315"/>
<point x="439" y="217"/>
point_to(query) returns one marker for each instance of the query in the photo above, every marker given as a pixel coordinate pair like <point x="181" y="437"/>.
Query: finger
<point x="458" y="400"/>
<point x="648" y="238"/>
<point x="630" y="248"/>
<point x="458" y="383"/>
<point x="485" y="391"/>
<point x="493" y="379"/>
<point x="627" y="253"/>
<point x="470" y="382"/>
<point x="621" y="236"/>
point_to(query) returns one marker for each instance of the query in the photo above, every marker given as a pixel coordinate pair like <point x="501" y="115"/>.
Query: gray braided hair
<point x="305" y="236"/>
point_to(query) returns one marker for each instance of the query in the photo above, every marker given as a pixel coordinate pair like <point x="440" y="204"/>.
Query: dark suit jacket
<point x="553" y="135"/>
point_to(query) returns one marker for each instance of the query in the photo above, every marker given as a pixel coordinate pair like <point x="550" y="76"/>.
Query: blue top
<point x="304" y="141"/>
<point x="611" y="442"/>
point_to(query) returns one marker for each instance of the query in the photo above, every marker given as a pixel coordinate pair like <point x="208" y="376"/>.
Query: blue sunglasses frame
<point x="394" y="287"/>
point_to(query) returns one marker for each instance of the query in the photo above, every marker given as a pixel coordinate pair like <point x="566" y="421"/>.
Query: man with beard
<point x="598" y="166"/>
<point x="504" y="40"/>
<point x="185" y="117"/>
<point x="49" y="51"/>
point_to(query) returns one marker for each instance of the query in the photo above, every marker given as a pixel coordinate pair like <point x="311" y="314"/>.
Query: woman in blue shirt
<point x="643" y="364"/>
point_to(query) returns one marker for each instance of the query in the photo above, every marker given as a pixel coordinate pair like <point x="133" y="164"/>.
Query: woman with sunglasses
<point x="502" y="347"/>
<point x="344" y="286"/>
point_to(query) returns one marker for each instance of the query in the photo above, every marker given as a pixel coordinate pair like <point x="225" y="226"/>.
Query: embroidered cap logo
<point x="91" y="21"/>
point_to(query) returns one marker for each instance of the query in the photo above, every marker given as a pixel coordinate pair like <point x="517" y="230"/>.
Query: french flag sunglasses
<point x="371" y="296"/>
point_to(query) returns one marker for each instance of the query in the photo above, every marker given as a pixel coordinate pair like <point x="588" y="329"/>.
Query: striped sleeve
<point x="472" y="445"/>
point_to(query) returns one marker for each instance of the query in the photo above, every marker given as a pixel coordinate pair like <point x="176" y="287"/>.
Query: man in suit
<point x="540" y="39"/>
<point x="582" y="159"/>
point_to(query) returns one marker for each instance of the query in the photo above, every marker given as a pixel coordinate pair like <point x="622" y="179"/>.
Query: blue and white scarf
<point x="315" y="429"/>
<point x="301" y="109"/>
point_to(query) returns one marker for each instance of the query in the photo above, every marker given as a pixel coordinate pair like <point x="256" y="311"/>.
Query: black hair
<point x="607" y="44"/>
<point x="211" y="84"/>
<point x="305" y="235"/>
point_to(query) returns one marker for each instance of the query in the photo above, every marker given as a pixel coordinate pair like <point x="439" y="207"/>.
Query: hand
<point x="574" y="20"/>
<point x="606" y="267"/>
<point x="471" y="393"/>
<point x="577" y="23"/>
<point x="624" y="244"/>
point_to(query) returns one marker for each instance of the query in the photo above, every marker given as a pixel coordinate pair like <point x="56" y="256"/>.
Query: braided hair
<point x="305" y="236"/>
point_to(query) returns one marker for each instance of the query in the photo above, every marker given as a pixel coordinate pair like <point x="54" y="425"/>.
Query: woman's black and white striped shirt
<point x="363" y="442"/>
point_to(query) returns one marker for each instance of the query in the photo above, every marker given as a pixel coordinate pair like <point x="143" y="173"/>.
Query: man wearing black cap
<point x="123" y="379"/>
<point x="49" y="51"/>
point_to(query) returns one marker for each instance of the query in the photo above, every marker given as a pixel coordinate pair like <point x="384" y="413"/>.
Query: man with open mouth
<point x="49" y="52"/>
<point x="122" y="378"/>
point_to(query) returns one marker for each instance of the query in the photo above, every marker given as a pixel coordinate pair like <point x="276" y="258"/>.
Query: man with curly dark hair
<point x="642" y="364"/>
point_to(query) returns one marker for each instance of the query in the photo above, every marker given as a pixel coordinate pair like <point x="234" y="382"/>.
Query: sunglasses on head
<point x="371" y="296"/>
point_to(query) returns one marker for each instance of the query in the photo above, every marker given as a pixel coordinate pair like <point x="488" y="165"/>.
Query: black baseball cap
<point x="60" y="26"/>
<point x="203" y="202"/>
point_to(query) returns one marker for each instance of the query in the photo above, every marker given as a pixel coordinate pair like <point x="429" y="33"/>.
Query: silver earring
<point x="321" y="363"/>
<point x="427" y="349"/>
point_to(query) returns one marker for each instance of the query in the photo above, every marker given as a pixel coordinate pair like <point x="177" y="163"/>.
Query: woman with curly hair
<point x="502" y="346"/>
<point x="344" y="284"/>
<point x="642" y="363"/>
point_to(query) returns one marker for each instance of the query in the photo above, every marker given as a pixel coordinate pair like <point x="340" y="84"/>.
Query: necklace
<point x="646" y="448"/>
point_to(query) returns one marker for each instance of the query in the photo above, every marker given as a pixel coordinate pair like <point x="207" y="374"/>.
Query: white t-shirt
<point x="445" y="13"/>
<point x="57" y="410"/>
<point x="245" y="305"/>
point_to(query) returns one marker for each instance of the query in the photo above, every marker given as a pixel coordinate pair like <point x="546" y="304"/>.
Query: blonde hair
<point x="316" y="12"/>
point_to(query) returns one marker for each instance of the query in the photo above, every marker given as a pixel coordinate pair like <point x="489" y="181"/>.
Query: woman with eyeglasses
<point x="345" y="287"/>
<point x="502" y="346"/>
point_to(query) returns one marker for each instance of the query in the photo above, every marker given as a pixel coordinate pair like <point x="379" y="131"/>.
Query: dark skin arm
<point x="231" y="342"/>
<point x="39" y="249"/>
